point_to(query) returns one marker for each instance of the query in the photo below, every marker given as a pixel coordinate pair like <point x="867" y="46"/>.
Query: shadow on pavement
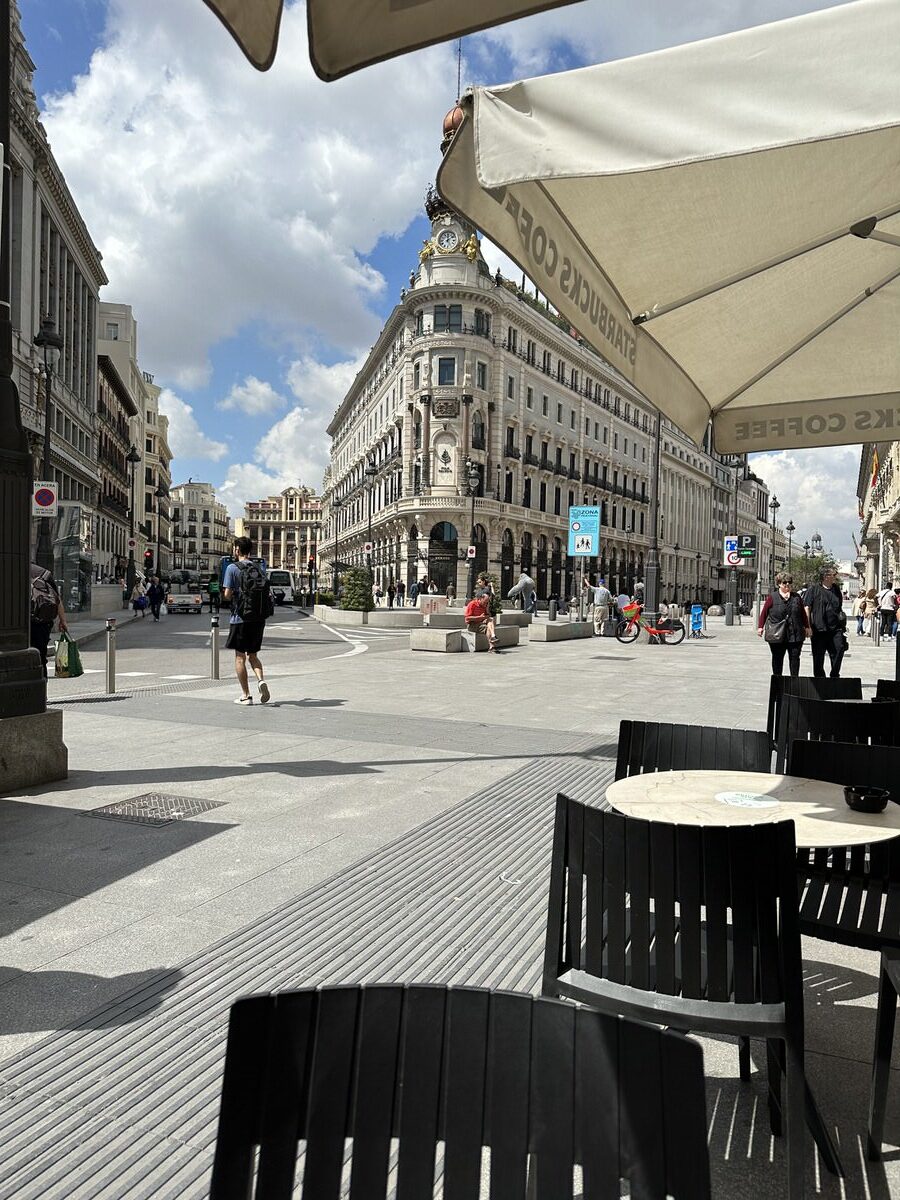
<point x="37" y="1001"/>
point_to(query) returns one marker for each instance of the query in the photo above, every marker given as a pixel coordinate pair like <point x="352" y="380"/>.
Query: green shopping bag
<point x="68" y="659"/>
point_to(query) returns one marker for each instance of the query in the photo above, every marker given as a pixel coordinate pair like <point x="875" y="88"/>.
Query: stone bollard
<point x="551" y="611"/>
<point x="110" y="656"/>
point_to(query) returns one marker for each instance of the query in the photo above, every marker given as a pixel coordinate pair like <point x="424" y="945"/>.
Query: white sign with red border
<point x="44" y="499"/>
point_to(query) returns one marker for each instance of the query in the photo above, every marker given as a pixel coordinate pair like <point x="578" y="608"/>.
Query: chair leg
<point x="774" y="1071"/>
<point x="830" y="1157"/>
<point x="795" y="1110"/>
<point x="744" y="1057"/>
<point x="881" y="1061"/>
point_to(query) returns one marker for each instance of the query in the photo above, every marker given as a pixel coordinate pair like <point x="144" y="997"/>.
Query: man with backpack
<point x="46" y="609"/>
<point x="249" y="594"/>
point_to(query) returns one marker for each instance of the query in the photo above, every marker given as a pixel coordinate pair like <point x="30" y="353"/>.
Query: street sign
<point x="584" y="531"/>
<point x="131" y="543"/>
<point x="470" y="553"/>
<point x="367" y="548"/>
<point x="43" y="499"/>
<point x="737" y="548"/>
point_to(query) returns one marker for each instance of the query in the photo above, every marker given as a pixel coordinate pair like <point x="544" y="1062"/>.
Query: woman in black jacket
<point x="785" y="605"/>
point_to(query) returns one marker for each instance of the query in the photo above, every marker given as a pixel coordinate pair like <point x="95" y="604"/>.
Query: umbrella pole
<point x="651" y="572"/>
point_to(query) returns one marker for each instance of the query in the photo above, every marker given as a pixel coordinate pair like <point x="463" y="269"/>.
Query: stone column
<point x="467" y="424"/>
<point x="491" y="458"/>
<point x="409" y="449"/>
<point x="426" y="440"/>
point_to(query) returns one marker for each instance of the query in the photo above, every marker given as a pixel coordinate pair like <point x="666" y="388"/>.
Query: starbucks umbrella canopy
<point x="345" y="35"/>
<point x="720" y="220"/>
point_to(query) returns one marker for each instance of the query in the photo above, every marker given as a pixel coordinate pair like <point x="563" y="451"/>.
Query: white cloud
<point x="186" y="438"/>
<point x="255" y="397"/>
<point x="817" y="491"/>
<point x="220" y="196"/>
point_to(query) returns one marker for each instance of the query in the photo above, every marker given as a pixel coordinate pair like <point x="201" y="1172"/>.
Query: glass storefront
<point x="73" y="556"/>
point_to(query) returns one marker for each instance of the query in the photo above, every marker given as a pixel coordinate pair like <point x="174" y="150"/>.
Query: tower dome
<point x="452" y="122"/>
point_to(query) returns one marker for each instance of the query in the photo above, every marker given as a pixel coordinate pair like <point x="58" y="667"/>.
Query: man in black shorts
<point x="249" y="606"/>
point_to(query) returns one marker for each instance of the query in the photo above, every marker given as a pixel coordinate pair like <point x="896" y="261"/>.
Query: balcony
<point x="530" y="459"/>
<point x="559" y="469"/>
<point x="574" y="473"/>
<point x="545" y="464"/>
<point x="512" y="452"/>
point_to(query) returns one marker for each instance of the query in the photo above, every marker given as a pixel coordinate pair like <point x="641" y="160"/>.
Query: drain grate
<point x="154" y="808"/>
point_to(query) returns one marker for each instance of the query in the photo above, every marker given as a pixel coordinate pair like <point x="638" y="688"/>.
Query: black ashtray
<point x="867" y="799"/>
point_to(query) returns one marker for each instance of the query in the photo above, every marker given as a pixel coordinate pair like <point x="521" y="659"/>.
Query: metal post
<point x="214" y="646"/>
<point x="44" y="550"/>
<point x="110" y="655"/>
<point x="651" y="570"/>
<point x="470" y="590"/>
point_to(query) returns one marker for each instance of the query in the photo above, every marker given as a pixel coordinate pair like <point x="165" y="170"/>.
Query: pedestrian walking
<point x="125" y="592"/>
<point x="156" y="593"/>
<point x="413" y="594"/>
<point x="451" y="592"/>
<point x="871" y="610"/>
<point x="139" y="598"/>
<point x="887" y="606"/>
<point x="601" y="598"/>
<point x="401" y="593"/>
<point x="376" y="594"/>
<point x="784" y="624"/>
<point x="214" y="594"/>
<point x="432" y="588"/>
<point x="859" y="611"/>
<point x="896" y="611"/>
<point x="391" y="593"/>
<point x="46" y="610"/>
<point x="825" y="614"/>
<point x="248" y="592"/>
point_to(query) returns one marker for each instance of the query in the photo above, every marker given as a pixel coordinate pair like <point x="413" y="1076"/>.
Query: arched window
<point x="478" y="432"/>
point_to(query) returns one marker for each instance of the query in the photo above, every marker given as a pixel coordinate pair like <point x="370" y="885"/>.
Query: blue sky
<point x="262" y="226"/>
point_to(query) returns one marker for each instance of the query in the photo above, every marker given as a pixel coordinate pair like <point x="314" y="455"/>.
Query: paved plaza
<point x="387" y="816"/>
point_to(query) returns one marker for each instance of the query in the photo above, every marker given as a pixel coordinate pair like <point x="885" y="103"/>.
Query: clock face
<point x="447" y="240"/>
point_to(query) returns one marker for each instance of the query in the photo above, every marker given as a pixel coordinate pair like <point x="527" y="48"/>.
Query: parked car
<point x="182" y="598"/>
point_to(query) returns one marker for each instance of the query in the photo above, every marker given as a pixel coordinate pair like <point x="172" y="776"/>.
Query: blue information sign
<point x="584" y="531"/>
<point x="696" y="618"/>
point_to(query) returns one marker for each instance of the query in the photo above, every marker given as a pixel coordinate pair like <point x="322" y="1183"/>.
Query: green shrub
<point x="326" y="598"/>
<point x="357" y="595"/>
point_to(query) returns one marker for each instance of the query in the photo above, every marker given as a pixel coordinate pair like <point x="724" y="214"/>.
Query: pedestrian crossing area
<point x="137" y="675"/>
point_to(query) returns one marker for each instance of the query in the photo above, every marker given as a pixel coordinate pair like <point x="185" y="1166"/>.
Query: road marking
<point x="357" y="647"/>
<point x="134" y="674"/>
<point x="184" y="676"/>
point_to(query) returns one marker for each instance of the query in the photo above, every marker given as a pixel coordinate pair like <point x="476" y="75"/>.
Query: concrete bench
<point x="456" y="641"/>
<point x="455" y="619"/>
<point x="560" y="631"/>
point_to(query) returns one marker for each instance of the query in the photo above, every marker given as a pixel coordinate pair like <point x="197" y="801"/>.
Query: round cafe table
<point x="820" y="814"/>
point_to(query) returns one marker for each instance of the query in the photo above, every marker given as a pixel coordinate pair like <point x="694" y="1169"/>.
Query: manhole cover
<point x="154" y="808"/>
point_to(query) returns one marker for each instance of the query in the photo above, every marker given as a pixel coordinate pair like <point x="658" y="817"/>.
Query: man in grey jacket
<point x="524" y="588"/>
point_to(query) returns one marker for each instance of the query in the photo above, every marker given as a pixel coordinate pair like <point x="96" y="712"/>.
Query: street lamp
<point x="675" y="588"/>
<point x="789" y="530"/>
<point x="806" y="562"/>
<point x="336" y="506"/>
<point x="161" y="493"/>
<point x="48" y="340"/>
<point x="132" y="458"/>
<point x="473" y="479"/>
<point x="774" y="506"/>
<point x="371" y="472"/>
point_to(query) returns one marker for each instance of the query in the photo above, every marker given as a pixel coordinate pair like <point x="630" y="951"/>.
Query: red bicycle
<point x="670" y="633"/>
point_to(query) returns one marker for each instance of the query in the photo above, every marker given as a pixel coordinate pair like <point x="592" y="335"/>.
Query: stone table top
<point x="820" y="814"/>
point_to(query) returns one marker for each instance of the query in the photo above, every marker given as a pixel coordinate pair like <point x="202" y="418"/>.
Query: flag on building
<point x="874" y="467"/>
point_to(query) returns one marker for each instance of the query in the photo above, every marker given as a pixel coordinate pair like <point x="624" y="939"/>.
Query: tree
<point x="805" y="569"/>
<point x="357" y="595"/>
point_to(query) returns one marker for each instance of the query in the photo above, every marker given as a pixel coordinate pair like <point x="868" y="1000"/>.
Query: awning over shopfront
<point x="720" y="220"/>
<point x="345" y="35"/>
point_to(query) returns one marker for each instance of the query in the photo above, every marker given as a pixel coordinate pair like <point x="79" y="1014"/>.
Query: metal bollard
<point x="110" y="655"/>
<point x="876" y="628"/>
<point x="551" y="611"/>
<point x="214" y="646"/>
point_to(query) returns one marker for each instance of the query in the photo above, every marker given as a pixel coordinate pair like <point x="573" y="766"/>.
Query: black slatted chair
<point x="653" y="746"/>
<point x="850" y="894"/>
<point x="833" y="721"/>
<point x="888" y="987"/>
<point x="888" y="689"/>
<point x="809" y="688"/>
<point x="463" y="1066"/>
<point x="688" y="927"/>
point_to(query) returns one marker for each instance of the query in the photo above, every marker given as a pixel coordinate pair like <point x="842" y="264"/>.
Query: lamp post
<point x="806" y="562"/>
<point x="473" y="479"/>
<point x="789" y="530"/>
<point x="774" y="507"/>
<point x="698" y="576"/>
<point x="50" y="342"/>
<point x="651" y="569"/>
<point x="675" y="588"/>
<point x="161" y="493"/>
<point x="132" y="458"/>
<point x="371" y="472"/>
<point x="336" y="505"/>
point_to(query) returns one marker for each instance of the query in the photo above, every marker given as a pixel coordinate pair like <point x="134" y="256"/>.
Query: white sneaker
<point x="263" y="692"/>
<point x="244" y="700"/>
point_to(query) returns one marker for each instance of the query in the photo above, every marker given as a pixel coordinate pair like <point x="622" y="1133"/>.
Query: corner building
<point x="471" y="366"/>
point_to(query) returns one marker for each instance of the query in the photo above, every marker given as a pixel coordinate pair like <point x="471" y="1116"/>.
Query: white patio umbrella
<point x="345" y="35"/>
<point x="720" y="220"/>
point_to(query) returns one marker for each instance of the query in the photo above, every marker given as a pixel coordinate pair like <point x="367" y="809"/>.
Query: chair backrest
<point x="463" y="1066"/>
<point x="810" y="688"/>
<point x="655" y="746"/>
<point x="834" y="721"/>
<point x="888" y="688"/>
<point x="706" y="913"/>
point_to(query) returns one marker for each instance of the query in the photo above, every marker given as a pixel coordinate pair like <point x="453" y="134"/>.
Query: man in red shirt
<point x="478" y="618"/>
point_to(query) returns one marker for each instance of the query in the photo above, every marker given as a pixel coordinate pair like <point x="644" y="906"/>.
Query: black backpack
<point x="254" y="600"/>
<point x="44" y="599"/>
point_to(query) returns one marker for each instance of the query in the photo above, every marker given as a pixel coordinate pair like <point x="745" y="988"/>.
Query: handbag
<point x="68" y="660"/>
<point x="163" y="610"/>
<point x="775" y="632"/>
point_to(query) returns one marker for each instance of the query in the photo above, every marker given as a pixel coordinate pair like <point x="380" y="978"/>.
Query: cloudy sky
<point x="262" y="225"/>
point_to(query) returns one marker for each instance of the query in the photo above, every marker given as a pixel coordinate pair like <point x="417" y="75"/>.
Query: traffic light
<point x="148" y="560"/>
<point x="311" y="565"/>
